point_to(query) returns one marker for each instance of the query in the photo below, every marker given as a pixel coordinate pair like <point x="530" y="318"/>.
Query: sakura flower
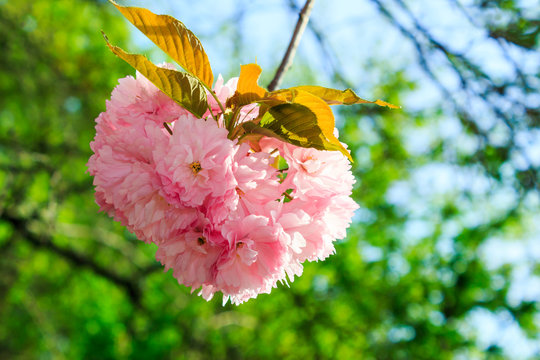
<point x="253" y="260"/>
<point x="129" y="191"/>
<point x="223" y="91"/>
<point x="224" y="218"/>
<point x="257" y="179"/>
<point x="316" y="173"/>
<point x="292" y="225"/>
<point x="136" y="98"/>
<point x="191" y="255"/>
<point x="195" y="164"/>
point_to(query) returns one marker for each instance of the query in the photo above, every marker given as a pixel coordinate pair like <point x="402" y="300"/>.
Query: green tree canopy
<point x="448" y="191"/>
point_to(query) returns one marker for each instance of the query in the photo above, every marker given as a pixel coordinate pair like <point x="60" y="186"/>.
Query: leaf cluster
<point x="300" y="115"/>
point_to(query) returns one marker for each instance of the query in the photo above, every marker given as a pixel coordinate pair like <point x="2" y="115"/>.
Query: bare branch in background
<point x="131" y="286"/>
<point x="327" y="52"/>
<point x="286" y="62"/>
<point x="475" y="84"/>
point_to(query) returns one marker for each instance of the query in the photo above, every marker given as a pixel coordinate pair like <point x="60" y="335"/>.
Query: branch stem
<point x="286" y="62"/>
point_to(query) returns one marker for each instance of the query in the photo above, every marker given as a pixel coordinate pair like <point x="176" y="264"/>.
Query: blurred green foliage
<point x="76" y="285"/>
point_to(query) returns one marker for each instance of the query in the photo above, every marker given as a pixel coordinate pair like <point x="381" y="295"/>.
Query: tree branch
<point x="129" y="285"/>
<point x="303" y="18"/>
<point x="459" y="63"/>
<point x="327" y="52"/>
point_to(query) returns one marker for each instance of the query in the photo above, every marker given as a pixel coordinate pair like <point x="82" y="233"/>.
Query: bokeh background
<point x="441" y="262"/>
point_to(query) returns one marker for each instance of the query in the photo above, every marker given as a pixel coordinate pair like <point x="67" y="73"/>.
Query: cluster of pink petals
<point x="216" y="209"/>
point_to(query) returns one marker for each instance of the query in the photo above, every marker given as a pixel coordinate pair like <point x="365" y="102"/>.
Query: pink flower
<point x="192" y="255"/>
<point x="329" y="219"/>
<point x="257" y="179"/>
<point x="127" y="186"/>
<point x="317" y="173"/>
<point x="216" y="209"/>
<point x="195" y="165"/>
<point x="129" y="191"/>
<point x="223" y="91"/>
<point x="253" y="260"/>
<point x="292" y="224"/>
<point x="136" y="99"/>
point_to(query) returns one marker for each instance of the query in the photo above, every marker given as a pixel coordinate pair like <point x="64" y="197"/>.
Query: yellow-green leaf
<point x="183" y="88"/>
<point x="248" y="90"/>
<point x="307" y="121"/>
<point x="334" y="96"/>
<point x="173" y="37"/>
<point x="254" y="132"/>
<point x="325" y="117"/>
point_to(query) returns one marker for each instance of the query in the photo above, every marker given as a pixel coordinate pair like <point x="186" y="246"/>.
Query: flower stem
<point x="167" y="128"/>
<point x="211" y="112"/>
<point x="215" y="97"/>
<point x="288" y="196"/>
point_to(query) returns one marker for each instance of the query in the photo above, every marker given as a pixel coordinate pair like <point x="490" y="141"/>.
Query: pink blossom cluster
<point x="224" y="217"/>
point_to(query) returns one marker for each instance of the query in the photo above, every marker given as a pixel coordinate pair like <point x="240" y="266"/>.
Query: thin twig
<point x="286" y="63"/>
<point x="327" y="52"/>
<point x="463" y="69"/>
